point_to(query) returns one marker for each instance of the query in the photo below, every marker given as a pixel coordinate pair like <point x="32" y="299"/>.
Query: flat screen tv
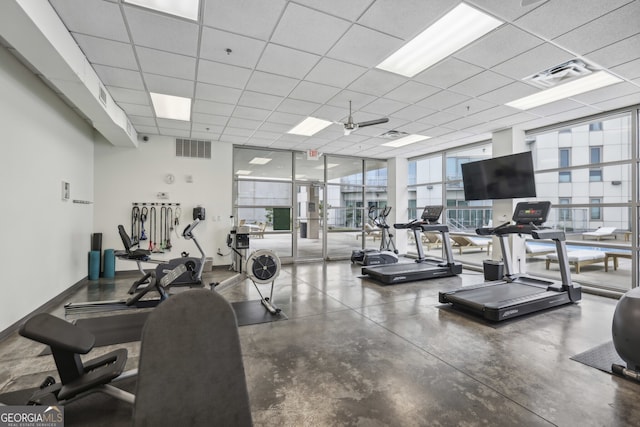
<point x="506" y="177"/>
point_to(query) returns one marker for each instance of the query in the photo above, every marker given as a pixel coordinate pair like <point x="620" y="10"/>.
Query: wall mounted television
<point x="506" y="177"/>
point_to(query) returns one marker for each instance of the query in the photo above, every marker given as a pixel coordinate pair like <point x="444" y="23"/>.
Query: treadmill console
<point x="535" y="213"/>
<point x="431" y="214"/>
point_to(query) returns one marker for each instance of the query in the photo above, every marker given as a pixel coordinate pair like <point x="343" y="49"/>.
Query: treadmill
<point x="424" y="267"/>
<point x="519" y="294"/>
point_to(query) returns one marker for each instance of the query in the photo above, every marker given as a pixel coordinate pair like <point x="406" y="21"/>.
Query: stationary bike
<point x="387" y="254"/>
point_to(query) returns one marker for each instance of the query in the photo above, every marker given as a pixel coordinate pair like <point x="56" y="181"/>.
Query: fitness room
<point x="320" y="213"/>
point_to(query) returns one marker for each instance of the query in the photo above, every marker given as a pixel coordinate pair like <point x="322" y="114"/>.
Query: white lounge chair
<point x="600" y="233"/>
<point x="579" y="258"/>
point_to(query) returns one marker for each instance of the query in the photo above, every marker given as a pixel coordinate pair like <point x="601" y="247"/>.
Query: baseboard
<point x="44" y="308"/>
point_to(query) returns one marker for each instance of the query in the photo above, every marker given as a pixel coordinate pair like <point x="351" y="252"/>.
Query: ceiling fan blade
<point x="373" y="122"/>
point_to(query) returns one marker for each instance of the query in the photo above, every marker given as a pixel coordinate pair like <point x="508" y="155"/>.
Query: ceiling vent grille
<point x="562" y="73"/>
<point x="194" y="148"/>
<point x="102" y="95"/>
<point x="393" y="134"/>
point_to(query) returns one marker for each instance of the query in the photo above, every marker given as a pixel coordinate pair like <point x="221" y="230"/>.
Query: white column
<point x="398" y="198"/>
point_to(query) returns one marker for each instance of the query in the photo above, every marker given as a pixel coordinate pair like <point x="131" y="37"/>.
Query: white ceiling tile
<point x="334" y="73"/>
<point x="350" y="10"/>
<point x="137" y="109"/>
<point x="533" y="61"/>
<point x="174" y="124"/>
<point x="95" y="17"/>
<point x="498" y="46"/>
<point x="149" y="130"/>
<point x="363" y="46"/>
<point x="166" y="64"/>
<point x="206" y="131"/>
<point x="329" y="112"/>
<point x="222" y="74"/>
<point x="210" y="119"/>
<point x="607" y="93"/>
<point x="227" y="95"/>
<point x="555" y="18"/>
<point x="413" y="112"/>
<point x="253" y="18"/>
<point x="377" y="82"/>
<point x="448" y="72"/>
<point x="603" y="31"/>
<point x="285" y="61"/>
<point x="383" y="106"/>
<point x="162" y="32"/>
<point x="411" y="92"/>
<point x="286" y="118"/>
<point x="296" y="106"/>
<point x="142" y="121"/>
<point x="237" y="132"/>
<point x="555" y="107"/>
<point x="404" y="19"/>
<point x="177" y="133"/>
<point x="272" y="84"/>
<point x="439" y="118"/>
<point x="210" y="136"/>
<point x="314" y="92"/>
<point x="210" y="107"/>
<point x="481" y="83"/>
<point x="623" y="101"/>
<point x="358" y="100"/>
<point x="233" y="139"/>
<point x="107" y="52"/>
<point x="120" y="77"/>
<point x="509" y="93"/>
<point x="274" y="127"/>
<point x="128" y="95"/>
<point x="169" y="85"/>
<point x="245" y="51"/>
<point x="442" y="100"/>
<point x="308" y="30"/>
<point x="267" y="135"/>
<point x="259" y="100"/>
<point x="617" y="53"/>
<point x="629" y="70"/>
<point x="251" y="113"/>
<point x="505" y="10"/>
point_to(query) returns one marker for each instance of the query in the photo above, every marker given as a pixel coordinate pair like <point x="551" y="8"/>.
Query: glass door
<point x="310" y="223"/>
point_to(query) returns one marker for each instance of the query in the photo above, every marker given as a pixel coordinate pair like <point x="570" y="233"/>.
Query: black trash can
<point x="493" y="270"/>
<point x="303" y="230"/>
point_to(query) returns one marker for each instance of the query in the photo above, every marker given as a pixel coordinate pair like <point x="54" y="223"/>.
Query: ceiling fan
<point x="350" y="126"/>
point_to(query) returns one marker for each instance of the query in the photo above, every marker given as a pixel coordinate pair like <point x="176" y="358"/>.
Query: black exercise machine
<point x="424" y="267"/>
<point x="387" y="254"/>
<point x="519" y="294"/>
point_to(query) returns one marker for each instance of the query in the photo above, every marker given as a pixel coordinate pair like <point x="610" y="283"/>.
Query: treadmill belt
<point x="401" y="268"/>
<point x="496" y="293"/>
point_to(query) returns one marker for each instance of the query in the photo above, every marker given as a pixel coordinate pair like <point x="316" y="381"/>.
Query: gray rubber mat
<point x="600" y="357"/>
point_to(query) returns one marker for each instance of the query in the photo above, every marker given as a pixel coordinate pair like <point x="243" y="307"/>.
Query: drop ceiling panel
<point x="209" y="119"/>
<point x="259" y="100"/>
<point x="481" y="83"/>
<point x="349" y="10"/>
<point x="555" y="18"/>
<point x="222" y="74"/>
<point x="629" y="70"/>
<point x="251" y="113"/>
<point x="442" y="100"/>
<point x="161" y="31"/>
<point x="107" y="52"/>
<point x="439" y="118"/>
<point x="382" y="106"/>
<point x="603" y="31"/>
<point x="210" y="107"/>
<point x="535" y="60"/>
<point x="149" y="130"/>
<point x="271" y="83"/>
<point x="509" y="93"/>
<point x="174" y="124"/>
<point x="166" y="64"/>
<point x="411" y="92"/>
<point x="358" y="100"/>
<point x="227" y="95"/>
<point x="404" y="19"/>
<point x="274" y="127"/>
<point x="555" y="107"/>
<point x="169" y="85"/>
<point x="142" y="121"/>
<point x="413" y="112"/>
<point x="308" y="30"/>
<point x="505" y="10"/>
<point x="95" y="17"/>
<point x="617" y="53"/>
<point x="287" y="62"/>
<point x="245" y="51"/>
<point x="363" y="46"/>
<point x="286" y="118"/>
<point x="296" y="106"/>
<point x="137" y="109"/>
<point x="623" y="101"/>
<point x="120" y="77"/>
<point x="314" y="92"/>
<point x="129" y="95"/>
<point x="334" y="73"/>
<point x="376" y="82"/>
<point x="448" y="72"/>
<point x="498" y="46"/>
<point x="607" y="93"/>
<point x="253" y="18"/>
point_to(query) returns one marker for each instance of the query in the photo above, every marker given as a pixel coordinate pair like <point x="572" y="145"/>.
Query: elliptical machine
<point x="387" y="254"/>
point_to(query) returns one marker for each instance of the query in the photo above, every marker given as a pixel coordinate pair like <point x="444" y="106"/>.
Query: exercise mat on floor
<point x="123" y="328"/>
<point x="600" y="357"/>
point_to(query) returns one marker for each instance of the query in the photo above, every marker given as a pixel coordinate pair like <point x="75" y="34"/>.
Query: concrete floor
<point x="354" y="353"/>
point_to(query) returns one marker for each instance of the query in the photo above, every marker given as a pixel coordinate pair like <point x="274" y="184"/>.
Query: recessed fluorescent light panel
<point x="310" y="126"/>
<point x="575" y="87"/>
<point x="171" y="107"/>
<point x="184" y="8"/>
<point x="409" y="139"/>
<point x="260" y="160"/>
<point x="447" y="35"/>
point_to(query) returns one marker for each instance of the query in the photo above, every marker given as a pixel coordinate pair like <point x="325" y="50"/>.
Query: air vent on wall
<point x="102" y="95"/>
<point x="560" y="73"/>
<point x="194" y="148"/>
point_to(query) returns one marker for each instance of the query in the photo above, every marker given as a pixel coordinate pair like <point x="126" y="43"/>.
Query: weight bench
<point x="77" y="379"/>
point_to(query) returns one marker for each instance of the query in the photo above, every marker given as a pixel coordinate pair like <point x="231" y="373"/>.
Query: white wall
<point x="44" y="240"/>
<point x="127" y="175"/>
